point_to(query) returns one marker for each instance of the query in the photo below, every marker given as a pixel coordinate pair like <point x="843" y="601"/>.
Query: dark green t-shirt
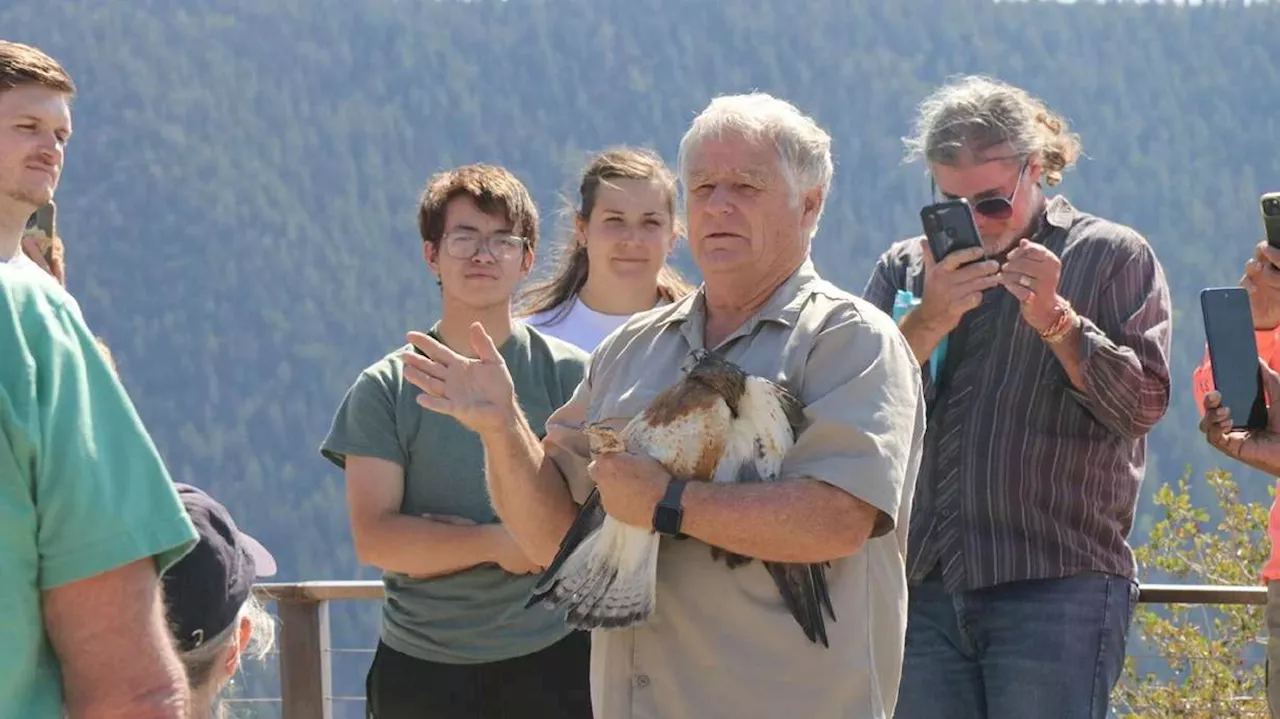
<point x="477" y="615"/>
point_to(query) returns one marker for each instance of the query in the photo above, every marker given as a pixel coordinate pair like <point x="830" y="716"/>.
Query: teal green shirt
<point x="477" y="615"/>
<point x="82" y="487"/>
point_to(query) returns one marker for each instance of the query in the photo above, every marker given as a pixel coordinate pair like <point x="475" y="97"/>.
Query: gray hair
<point x="970" y="114"/>
<point x="202" y="662"/>
<point x="803" y="147"/>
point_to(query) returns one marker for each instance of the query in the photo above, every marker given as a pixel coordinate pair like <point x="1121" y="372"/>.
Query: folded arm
<point x="404" y="544"/>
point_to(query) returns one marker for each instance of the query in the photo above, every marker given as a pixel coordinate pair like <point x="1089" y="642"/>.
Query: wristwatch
<point x="668" y="514"/>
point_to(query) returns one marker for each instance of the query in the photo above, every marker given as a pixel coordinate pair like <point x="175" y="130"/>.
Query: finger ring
<point x="1024" y="280"/>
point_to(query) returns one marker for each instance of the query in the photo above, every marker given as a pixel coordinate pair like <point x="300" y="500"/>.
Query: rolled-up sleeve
<point x="864" y="407"/>
<point x="1126" y="349"/>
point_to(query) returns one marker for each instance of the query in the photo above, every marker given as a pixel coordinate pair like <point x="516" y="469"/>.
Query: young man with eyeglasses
<point x="1056" y="366"/>
<point x="457" y="641"/>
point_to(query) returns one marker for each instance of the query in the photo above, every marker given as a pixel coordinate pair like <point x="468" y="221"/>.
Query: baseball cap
<point x="205" y="590"/>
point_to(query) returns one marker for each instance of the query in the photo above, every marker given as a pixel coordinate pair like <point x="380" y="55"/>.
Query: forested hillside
<point x="239" y="197"/>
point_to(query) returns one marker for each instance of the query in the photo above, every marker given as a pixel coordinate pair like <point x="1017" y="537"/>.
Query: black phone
<point x="949" y="226"/>
<point x="1233" y="352"/>
<point x="1270" y="205"/>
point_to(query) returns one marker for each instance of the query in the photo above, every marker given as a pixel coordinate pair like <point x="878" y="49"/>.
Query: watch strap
<point x="669" y="510"/>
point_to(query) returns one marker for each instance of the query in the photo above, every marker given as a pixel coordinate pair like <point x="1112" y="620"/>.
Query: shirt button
<point x="642" y="681"/>
<point x="948" y="512"/>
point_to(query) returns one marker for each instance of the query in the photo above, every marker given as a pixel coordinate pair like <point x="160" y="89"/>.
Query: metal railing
<point x="305" y="653"/>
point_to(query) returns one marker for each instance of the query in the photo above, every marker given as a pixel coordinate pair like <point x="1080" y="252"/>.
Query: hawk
<point x="716" y="424"/>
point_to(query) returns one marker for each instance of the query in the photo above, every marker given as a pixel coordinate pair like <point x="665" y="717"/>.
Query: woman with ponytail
<point x="614" y="263"/>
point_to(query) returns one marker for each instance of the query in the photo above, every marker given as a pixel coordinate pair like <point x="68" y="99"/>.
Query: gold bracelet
<point x="1062" y="326"/>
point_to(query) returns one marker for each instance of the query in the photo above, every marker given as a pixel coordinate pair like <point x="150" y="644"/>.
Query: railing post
<point x="306" y="676"/>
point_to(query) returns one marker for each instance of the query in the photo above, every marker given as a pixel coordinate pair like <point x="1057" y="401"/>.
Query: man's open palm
<point x="476" y="392"/>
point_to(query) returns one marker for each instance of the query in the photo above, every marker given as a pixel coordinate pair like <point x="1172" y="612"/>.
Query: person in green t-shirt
<point x="456" y="638"/>
<point x="89" y="518"/>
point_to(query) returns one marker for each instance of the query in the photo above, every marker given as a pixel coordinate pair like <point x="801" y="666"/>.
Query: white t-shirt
<point x="26" y="264"/>
<point x="579" y="325"/>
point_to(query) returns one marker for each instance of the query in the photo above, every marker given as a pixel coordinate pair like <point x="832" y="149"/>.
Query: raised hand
<point x="951" y="290"/>
<point x="1031" y="274"/>
<point x="476" y="392"/>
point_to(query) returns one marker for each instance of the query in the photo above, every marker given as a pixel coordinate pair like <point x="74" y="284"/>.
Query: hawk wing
<point x="589" y="519"/>
<point x="770" y="419"/>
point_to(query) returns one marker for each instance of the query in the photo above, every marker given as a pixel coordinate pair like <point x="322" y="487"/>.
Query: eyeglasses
<point x="465" y="244"/>
<point x="997" y="208"/>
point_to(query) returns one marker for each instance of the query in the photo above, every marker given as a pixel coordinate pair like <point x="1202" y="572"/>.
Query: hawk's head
<point x="720" y="376"/>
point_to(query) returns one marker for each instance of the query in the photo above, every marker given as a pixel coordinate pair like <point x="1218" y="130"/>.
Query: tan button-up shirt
<point x="721" y="643"/>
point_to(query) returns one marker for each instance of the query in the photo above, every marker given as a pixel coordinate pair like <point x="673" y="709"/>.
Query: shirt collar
<point x="783" y="306"/>
<point x="1059" y="212"/>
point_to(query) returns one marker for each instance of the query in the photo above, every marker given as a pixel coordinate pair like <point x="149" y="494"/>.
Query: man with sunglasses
<point x="1056" y="367"/>
<point x="456" y="639"/>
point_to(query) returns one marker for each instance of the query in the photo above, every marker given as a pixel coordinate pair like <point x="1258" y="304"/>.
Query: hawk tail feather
<point x="606" y="581"/>
<point x="804" y="592"/>
<point x="819" y="574"/>
<point x="623" y="595"/>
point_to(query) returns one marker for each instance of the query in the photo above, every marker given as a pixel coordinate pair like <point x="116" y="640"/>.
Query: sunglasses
<point x="997" y="208"/>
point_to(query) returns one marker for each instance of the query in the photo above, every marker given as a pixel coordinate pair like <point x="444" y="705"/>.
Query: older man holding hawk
<point x="721" y="641"/>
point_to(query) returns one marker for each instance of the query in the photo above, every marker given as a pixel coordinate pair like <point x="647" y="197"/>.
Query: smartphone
<point x="949" y="226"/>
<point x="1233" y="352"/>
<point x="1270" y="204"/>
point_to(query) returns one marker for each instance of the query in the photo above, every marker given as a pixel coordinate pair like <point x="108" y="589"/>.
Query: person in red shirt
<point x="1259" y="449"/>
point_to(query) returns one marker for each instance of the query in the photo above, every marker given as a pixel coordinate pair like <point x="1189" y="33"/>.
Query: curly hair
<point x="970" y="114"/>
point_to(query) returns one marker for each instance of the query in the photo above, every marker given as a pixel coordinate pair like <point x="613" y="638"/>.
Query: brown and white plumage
<point x="716" y="424"/>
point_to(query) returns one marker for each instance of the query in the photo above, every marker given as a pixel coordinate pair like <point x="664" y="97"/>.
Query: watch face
<point x="666" y="520"/>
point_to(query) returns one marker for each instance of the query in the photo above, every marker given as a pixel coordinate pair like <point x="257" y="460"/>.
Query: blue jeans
<point x="1042" y="649"/>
